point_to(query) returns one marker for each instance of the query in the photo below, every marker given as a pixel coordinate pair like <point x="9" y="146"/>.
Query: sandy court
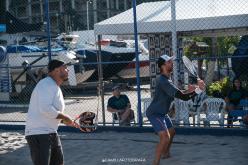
<point x="131" y="148"/>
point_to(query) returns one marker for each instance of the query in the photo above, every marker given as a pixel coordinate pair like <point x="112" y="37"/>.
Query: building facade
<point x="68" y="15"/>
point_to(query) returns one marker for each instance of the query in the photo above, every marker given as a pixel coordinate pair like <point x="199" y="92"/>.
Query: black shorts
<point x="45" y="149"/>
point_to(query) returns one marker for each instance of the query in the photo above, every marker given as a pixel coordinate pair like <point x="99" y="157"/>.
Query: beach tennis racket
<point x="190" y="67"/>
<point x="86" y="121"/>
<point x="192" y="70"/>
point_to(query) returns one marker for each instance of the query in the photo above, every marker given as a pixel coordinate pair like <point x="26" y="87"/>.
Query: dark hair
<point x="236" y="78"/>
<point x="54" y="64"/>
<point x="160" y="62"/>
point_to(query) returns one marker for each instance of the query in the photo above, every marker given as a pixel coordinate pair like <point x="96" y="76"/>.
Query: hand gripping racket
<point x="192" y="70"/>
<point x="86" y="121"/>
<point x="190" y="67"/>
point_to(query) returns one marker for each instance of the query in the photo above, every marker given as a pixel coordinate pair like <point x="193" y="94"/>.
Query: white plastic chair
<point x="145" y="102"/>
<point x="214" y="110"/>
<point x="182" y="109"/>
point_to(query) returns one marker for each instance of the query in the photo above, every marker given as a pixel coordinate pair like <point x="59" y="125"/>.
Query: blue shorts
<point x="160" y="122"/>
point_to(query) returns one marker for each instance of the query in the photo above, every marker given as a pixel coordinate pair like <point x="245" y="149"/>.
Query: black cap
<point x="54" y="64"/>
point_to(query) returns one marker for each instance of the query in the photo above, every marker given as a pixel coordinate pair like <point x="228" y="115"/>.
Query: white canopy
<point x="191" y="16"/>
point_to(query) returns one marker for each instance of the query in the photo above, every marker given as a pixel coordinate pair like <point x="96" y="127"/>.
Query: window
<point x="122" y="5"/>
<point x="102" y="4"/>
<point x="21" y="12"/>
<point x="102" y="15"/>
<point x="36" y="9"/>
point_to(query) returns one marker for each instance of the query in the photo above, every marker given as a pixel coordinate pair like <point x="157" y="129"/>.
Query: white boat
<point x="129" y="72"/>
<point x="115" y="55"/>
<point x="35" y="59"/>
<point x="111" y="49"/>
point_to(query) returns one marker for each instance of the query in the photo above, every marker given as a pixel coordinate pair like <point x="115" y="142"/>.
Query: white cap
<point x="166" y="57"/>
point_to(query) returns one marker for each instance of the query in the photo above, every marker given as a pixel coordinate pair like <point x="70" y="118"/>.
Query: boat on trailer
<point x="35" y="59"/>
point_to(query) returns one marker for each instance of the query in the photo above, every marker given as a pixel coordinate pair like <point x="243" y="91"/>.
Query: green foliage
<point x="188" y="49"/>
<point x="225" y="43"/>
<point x="219" y="88"/>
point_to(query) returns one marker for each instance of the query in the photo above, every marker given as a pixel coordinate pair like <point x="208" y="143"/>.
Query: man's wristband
<point x="198" y="90"/>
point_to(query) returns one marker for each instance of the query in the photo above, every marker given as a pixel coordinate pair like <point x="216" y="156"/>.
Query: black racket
<point x="190" y="67"/>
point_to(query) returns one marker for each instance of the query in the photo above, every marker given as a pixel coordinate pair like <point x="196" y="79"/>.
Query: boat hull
<point x="18" y="62"/>
<point x="112" y="62"/>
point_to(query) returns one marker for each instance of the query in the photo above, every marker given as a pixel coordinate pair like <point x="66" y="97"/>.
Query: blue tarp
<point x="22" y="48"/>
<point x="29" y="48"/>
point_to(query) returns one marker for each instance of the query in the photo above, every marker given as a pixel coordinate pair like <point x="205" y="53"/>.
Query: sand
<point x="130" y="148"/>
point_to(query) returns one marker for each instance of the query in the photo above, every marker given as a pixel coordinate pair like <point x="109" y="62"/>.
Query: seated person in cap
<point x="120" y="103"/>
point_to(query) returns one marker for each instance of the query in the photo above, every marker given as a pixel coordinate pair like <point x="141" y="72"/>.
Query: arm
<point x="227" y="100"/>
<point x="192" y="91"/>
<point x="129" y="105"/>
<point x="111" y="106"/>
<point x="185" y="96"/>
<point x="128" y="102"/>
<point x="64" y="119"/>
<point x="173" y="91"/>
<point x="46" y="98"/>
<point x="67" y="120"/>
<point x="112" y="110"/>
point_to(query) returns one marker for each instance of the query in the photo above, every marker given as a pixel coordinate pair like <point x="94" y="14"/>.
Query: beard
<point x="170" y="69"/>
<point x="64" y="77"/>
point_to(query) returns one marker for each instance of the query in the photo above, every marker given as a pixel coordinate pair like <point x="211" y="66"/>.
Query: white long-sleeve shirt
<point x="45" y="104"/>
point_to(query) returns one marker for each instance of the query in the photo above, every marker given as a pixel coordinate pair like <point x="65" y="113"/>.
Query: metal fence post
<point x="174" y="40"/>
<point x="100" y="76"/>
<point x="137" y="63"/>
<point x="48" y="30"/>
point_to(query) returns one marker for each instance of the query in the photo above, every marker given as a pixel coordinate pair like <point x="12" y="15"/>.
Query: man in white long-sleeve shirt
<point x="44" y="115"/>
